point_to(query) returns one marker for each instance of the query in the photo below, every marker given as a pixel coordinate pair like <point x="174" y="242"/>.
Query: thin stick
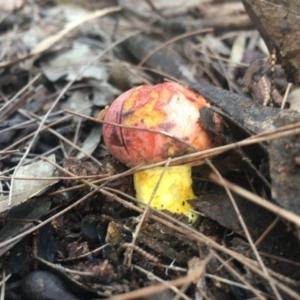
<point x="173" y="40"/>
<point x="61" y="94"/>
<point x="165" y="285"/>
<point x="286" y="95"/>
<point x="2" y="295"/>
<point x="129" y="251"/>
<point x="195" y="235"/>
<point x="244" y="226"/>
<point x="238" y="276"/>
<point x="151" y="276"/>
<point x="290" y="216"/>
<point x="132" y="127"/>
<point x="175" y="225"/>
<point x="83" y="255"/>
<point x="198" y="157"/>
<point x="267" y="231"/>
<point x="2" y="110"/>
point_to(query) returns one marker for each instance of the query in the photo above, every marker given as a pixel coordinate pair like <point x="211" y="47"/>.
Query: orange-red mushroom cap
<point x="168" y="107"/>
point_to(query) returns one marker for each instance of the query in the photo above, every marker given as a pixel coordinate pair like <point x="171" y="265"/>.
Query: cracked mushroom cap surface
<point x="168" y="107"/>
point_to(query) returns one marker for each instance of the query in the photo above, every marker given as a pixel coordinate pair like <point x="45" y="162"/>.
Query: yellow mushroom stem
<point x="174" y="189"/>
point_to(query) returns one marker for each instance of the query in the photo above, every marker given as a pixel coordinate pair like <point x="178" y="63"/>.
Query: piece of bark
<point x="249" y="159"/>
<point x="165" y="60"/>
<point x="278" y="23"/>
<point x="284" y="153"/>
<point x="244" y="111"/>
<point x="284" y="156"/>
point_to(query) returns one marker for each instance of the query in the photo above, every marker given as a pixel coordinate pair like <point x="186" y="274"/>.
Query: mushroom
<point x="166" y="121"/>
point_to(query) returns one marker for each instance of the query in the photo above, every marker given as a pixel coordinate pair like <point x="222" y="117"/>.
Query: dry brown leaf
<point x="71" y="62"/>
<point x="26" y="189"/>
<point x="91" y="142"/>
<point x="79" y="101"/>
<point x="52" y="40"/>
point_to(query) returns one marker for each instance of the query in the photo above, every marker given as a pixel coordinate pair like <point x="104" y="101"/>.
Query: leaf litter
<point x="61" y="65"/>
<point x="25" y="189"/>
